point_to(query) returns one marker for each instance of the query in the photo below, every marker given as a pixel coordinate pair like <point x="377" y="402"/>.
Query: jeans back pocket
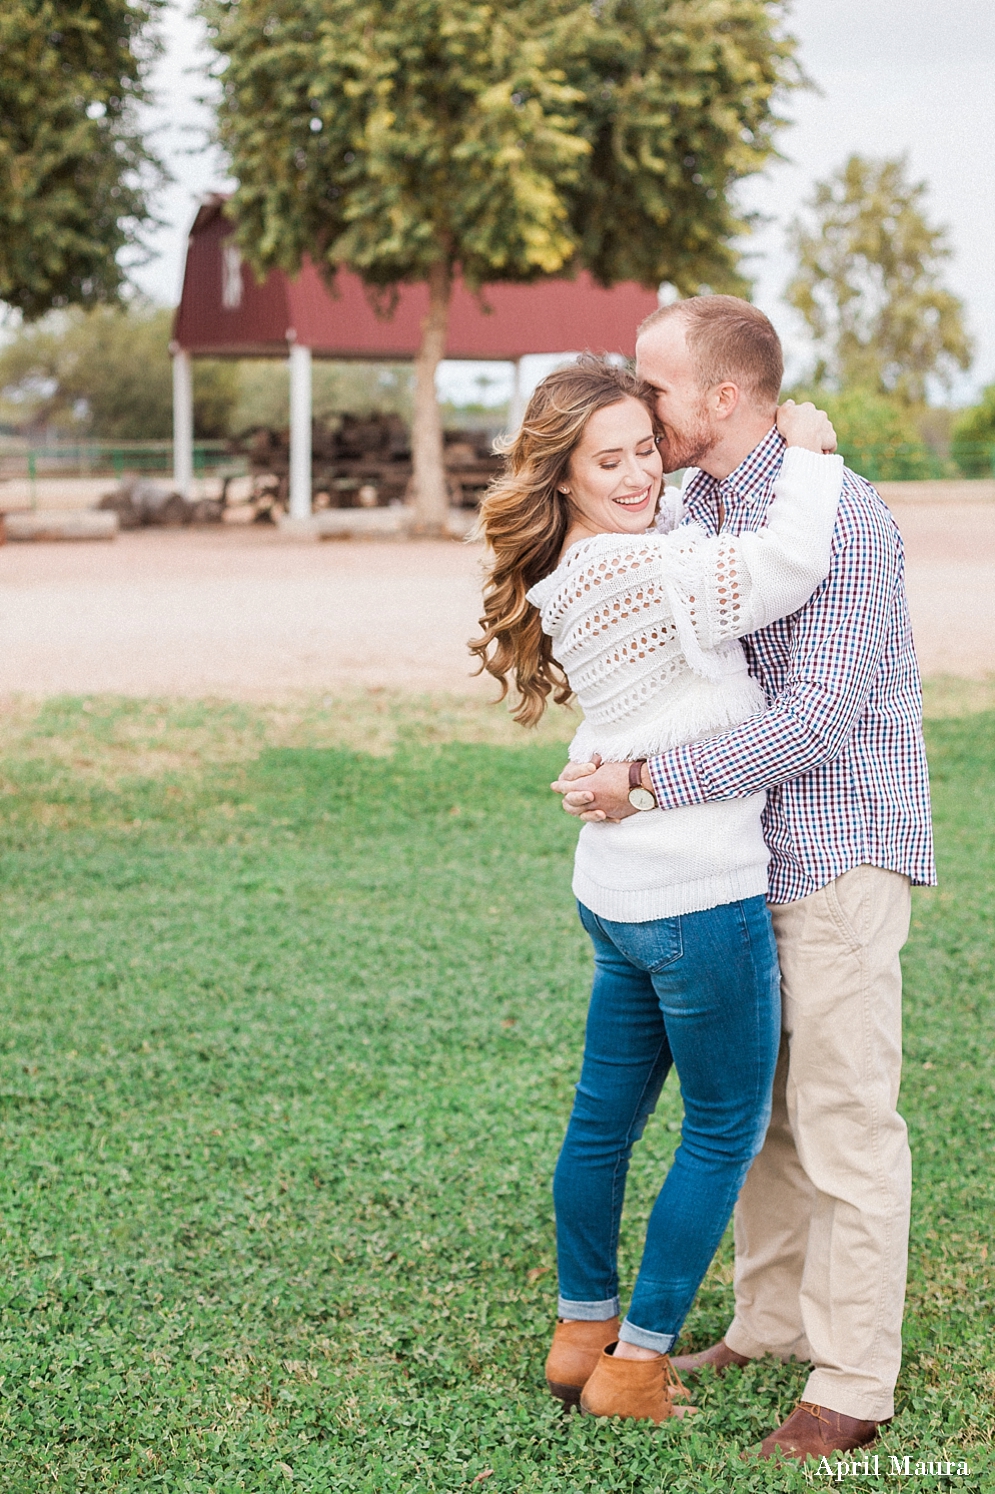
<point x="650" y="946"/>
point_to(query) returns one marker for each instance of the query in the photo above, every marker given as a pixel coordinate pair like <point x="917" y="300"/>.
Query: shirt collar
<point x="747" y="482"/>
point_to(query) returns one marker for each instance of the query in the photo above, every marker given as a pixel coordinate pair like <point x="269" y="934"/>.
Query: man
<point x="821" y="1227"/>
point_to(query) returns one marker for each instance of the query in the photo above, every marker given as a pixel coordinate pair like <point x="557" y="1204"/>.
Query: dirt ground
<point x="242" y="613"/>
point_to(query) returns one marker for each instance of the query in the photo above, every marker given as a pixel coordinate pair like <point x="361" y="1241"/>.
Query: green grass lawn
<point x="289" y="1037"/>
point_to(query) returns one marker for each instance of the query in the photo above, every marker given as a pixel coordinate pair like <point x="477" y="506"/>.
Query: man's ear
<point x="725" y="400"/>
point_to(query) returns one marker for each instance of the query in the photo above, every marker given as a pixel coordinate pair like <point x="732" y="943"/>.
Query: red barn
<point x="225" y="313"/>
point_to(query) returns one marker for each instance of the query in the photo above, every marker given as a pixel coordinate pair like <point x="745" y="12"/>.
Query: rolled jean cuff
<point x="644" y="1339"/>
<point x="587" y="1312"/>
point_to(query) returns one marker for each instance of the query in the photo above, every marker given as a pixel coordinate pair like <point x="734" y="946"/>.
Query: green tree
<point x="502" y="139"/>
<point x="338" y="388"/>
<point x="106" y="373"/>
<point x="972" y="443"/>
<point x="868" y="283"/>
<point x="878" y="435"/>
<point x="75" y="176"/>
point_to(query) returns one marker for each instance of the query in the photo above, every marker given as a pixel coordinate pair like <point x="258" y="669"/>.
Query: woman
<point x="594" y="591"/>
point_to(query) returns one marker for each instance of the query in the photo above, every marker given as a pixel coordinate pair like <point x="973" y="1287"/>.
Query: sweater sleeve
<point x="724" y="586"/>
<point x="836" y="646"/>
<point x="670" y="510"/>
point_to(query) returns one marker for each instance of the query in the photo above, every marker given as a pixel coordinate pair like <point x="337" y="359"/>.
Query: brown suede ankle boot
<point x="640" y="1389"/>
<point x="575" y="1351"/>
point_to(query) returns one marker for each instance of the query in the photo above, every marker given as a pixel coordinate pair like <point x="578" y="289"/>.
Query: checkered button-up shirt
<point x="839" y="749"/>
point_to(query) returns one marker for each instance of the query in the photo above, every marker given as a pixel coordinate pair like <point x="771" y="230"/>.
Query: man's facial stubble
<point x="685" y="445"/>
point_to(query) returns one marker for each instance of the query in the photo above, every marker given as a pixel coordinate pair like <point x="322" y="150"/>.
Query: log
<point x="138" y="502"/>
<point x="348" y="523"/>
<point x="51" y="524"/>
<point x="368" y="523"/>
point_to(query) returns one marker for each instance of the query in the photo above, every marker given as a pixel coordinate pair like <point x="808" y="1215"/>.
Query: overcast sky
<point x="893" y="76"/>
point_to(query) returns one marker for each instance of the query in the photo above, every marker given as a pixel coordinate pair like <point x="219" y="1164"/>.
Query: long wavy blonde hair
<point x="524" y="520"/>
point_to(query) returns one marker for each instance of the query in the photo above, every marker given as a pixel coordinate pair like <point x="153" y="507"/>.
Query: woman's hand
<point x="804" y="425"/>
<point x="605" y="795"/>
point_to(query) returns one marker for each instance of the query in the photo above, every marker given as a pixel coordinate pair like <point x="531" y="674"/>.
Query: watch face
<point x="641" y="798"/>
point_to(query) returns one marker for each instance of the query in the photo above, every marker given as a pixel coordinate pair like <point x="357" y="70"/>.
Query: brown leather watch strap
<point x="636" y="773"/>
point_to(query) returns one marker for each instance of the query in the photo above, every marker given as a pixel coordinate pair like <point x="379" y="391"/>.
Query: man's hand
<point x="605" y="794"/>
<point x="804" y="425"/>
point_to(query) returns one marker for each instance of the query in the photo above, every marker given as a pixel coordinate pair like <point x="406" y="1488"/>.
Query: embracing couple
<point x="751" y="770"/>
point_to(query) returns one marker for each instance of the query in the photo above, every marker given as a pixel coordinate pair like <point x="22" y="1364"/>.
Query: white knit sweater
<point x="645" y="628"/>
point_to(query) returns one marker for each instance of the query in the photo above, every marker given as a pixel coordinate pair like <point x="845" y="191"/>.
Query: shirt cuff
<point x="675" y="779"/>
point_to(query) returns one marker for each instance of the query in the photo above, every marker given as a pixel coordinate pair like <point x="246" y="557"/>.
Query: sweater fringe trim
<point x="620" y="742"/>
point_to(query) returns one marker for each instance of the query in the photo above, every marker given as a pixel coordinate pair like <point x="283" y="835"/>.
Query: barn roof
<point x="225" y="313"/>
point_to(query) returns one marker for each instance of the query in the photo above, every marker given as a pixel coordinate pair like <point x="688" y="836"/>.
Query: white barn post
<point x="182" y="421"/>
<point x="300" y="432"/>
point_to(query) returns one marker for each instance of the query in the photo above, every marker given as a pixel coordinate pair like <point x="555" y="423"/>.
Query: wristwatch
<point x="639" y="797"/>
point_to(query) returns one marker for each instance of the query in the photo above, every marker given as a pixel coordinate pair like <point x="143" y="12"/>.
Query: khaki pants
<point x="822" y="1222"/>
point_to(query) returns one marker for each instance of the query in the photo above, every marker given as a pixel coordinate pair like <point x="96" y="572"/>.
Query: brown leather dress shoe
<point x="575" y="1351"/>
<point x="814" y="1432"/>
<point x="719" y="1356"/>
<point x="638" y="1389"/>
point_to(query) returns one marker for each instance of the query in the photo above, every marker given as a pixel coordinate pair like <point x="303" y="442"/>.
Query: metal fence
<point x="113" y="460"/>
<point x="909" y="461"/>
<point x="104" y="458"/>
<point x="885" y="462"/>
<point x="973" y="458"/>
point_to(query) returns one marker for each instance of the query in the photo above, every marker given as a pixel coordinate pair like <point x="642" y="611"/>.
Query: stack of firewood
<point x="362" y="462"/>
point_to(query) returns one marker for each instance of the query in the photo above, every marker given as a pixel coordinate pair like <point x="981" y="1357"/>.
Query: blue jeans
<point x="701" y="992"/>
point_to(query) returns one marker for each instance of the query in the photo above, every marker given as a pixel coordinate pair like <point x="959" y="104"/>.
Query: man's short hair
<point x="728" y="339"/>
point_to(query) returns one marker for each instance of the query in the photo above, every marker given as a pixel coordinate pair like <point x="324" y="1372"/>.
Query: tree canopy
<point x="106" y="374"/>
<point x="869" y="283"/>
<point x="414" y="139"/>
<point x="74" y="174"/>
<point x="878" y="436"/>
<point x="973" y="443"/>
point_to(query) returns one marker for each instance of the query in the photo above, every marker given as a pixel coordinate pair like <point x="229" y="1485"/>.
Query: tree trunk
<point x="431" y="495"/>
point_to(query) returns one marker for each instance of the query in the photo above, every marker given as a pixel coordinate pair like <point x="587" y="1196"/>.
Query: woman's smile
<point x="635" y="500"/>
